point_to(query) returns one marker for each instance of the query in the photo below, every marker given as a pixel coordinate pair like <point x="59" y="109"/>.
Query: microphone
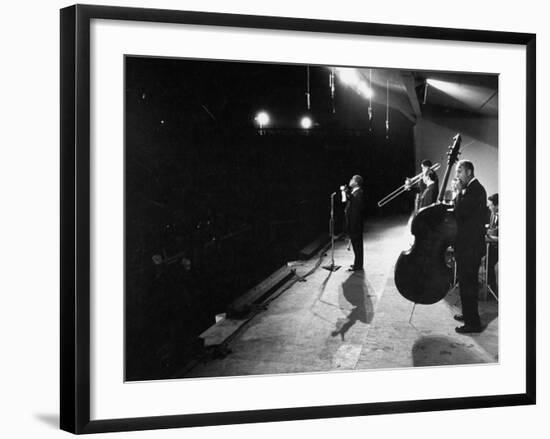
<point x="344" y="189"/>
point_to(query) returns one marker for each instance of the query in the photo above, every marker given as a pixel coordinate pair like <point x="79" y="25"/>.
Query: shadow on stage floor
<point x="340" y="320"/>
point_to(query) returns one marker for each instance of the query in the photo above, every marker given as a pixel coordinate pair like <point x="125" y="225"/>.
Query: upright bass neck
<point x="453" y="152"/>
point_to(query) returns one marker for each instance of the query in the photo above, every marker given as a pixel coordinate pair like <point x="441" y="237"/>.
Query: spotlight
<point x="306" y="123"/>
<point x="262" y="119"/>
<point x="364" y="90"/>
<point x="426" y="91"/>
<point x="467" y="94"/>
<point x="352" y="78"/>
<point x="349" y="76"/>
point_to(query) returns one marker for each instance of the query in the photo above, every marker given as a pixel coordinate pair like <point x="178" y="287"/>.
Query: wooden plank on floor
<point x="309" y="250"/>
<point x="259" y="290"/>
<point x="221" y="331"/>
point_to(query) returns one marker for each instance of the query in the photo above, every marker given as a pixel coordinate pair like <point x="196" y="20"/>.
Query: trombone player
<point x="429" y="195"/>
<point x="421" y="186"/>
<point x="415" y="183"/>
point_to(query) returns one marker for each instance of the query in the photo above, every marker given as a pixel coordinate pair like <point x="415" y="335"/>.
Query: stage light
<point x="425" y="91"/>
<point x="468" y="94"/>
<point x="349" y="77"/>
<point x="352" y="78"/>
<point x="262" y="119"/>
<point x="306" y="123"/>
<point x="452" y="88"/>
<point x="364" y="90"/>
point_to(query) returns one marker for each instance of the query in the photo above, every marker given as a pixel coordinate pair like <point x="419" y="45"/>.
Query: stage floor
<point x="340" y="320"/>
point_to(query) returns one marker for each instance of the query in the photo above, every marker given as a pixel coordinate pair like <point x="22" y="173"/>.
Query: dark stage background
<point x="213" y="206"/>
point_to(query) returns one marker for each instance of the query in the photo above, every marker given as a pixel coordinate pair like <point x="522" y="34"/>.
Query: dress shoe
<point x="355" y="269"/>
<point x="458" y="317"/>
<point x="466" y="329"/>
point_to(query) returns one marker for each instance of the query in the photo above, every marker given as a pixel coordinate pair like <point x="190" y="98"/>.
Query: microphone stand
<point x="332" y="267"/>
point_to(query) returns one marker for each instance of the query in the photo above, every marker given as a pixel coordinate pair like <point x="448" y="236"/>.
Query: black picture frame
<point x="76" y="210"/>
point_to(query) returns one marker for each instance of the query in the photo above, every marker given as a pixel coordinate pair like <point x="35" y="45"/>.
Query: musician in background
<point x="420" y="187"/>
<point x="492" y="226"/>
<point x="471" y="213"/>
<point x="429" y="195"/>
<point x="492" y="239"/>
<point x="455" y="190"/>
<point x="354" y="220"/>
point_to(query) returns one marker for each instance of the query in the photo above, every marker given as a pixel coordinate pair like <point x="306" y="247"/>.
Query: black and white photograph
<point x="274" y="219"/>
<point x="291" y="218"/>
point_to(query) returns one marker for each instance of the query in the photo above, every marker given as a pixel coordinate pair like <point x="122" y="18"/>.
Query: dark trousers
<point x="467" y="268"/>
<point x="357" y="245"/>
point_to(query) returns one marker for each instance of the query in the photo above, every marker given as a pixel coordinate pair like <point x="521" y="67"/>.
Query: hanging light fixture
<point x="370" y="101"/>
<point x="308" y="94"/>
<point x="332" y="85"/>
<point x="387" y="109"/>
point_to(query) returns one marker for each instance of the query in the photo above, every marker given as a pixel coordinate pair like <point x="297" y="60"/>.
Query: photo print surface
<point x="284" y="218"/>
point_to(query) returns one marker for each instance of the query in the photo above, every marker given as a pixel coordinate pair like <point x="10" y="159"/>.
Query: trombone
<point x="402" y="188"/>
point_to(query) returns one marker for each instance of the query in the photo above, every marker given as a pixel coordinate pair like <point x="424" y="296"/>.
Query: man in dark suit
<point x="429" y="194"/>
<point x="354" y="220"/>
<point x="470" y="211"/>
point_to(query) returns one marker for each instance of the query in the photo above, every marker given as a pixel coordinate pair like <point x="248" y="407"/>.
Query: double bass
<point x="421" y="272"/>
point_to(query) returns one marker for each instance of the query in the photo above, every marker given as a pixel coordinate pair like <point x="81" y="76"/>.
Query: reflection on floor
<point x="340" y="320"/>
